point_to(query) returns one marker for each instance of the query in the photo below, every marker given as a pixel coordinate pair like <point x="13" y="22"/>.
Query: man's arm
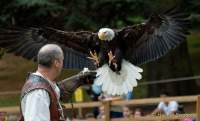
<point x="35" y="106"/>
<point x="69" y="85"/>
<point x="159" y="109"/>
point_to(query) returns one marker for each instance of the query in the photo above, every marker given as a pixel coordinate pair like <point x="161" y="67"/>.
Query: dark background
<point x="91" y="15"/>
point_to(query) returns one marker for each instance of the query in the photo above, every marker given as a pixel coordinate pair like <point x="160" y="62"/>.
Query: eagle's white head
<point x="106" y="34"/>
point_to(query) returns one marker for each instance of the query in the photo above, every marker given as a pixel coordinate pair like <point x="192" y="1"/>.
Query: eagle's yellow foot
<point x="112" y="59"/>
<point x="93" y="56"/>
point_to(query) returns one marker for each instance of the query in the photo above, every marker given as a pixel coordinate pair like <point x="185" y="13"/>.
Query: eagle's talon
<point x="94" y="57"/>
<point x="111" y="57"/>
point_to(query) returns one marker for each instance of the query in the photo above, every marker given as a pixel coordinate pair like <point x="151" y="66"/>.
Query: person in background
<point x="127" y="112"/>
<point x="101" y="112"/>
<point x="181" y="111"/>
<point x="89" y="116"/>
<point x="138" y="113"/>
<point x="167" y="107"/>
<point x="94" y="92"/>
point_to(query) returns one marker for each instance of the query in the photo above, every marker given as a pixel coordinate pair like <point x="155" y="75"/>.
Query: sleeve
<point x="173" y="106"/>
<point x="161" y="106"/>
<point x="37" y="106"/>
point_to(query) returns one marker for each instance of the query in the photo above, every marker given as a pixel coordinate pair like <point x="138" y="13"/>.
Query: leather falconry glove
<point x="69" y="85"/>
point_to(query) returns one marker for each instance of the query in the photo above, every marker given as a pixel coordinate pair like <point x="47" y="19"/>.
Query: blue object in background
<point x="96" y="89"/>
<point x="128" y="96"/>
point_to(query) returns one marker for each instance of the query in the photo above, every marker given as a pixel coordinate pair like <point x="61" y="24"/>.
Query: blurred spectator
<point x="94" y="92"/>
<point x="3" y="116"/>
<point x="168" y="107"/>
<point x="96" y="89"/>
<point x="127" y="112"/>
<point x="186" y="119"/>
<point x="181" y="111"/>
<point x="89" y="116"/>
<point x="101" y="113"/>
<point x="138" y="113"/>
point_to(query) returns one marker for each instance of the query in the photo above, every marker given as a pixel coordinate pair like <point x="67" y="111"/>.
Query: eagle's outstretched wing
<point x="155" y="37"/>
<point x="27" y="42"/>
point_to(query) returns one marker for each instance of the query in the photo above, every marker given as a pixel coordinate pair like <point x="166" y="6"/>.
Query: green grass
<point x="194" y="42"/>
<point x="6" y="101"/>
<point x="194" y="50"/>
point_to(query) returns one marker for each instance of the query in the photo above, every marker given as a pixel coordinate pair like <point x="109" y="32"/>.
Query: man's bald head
<point x="48" y="53"/>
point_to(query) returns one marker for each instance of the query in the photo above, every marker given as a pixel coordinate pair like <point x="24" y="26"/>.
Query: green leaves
<point x="84" y="14"/>
<point x="75" y="21"/>
<point x="135" y="19"/>
<point x="27" y="11"/>
<point x="31" y="3"/>
<point x="43" y="6"/>
<point x="195" y="20"/>
<point x="1" y="52"/>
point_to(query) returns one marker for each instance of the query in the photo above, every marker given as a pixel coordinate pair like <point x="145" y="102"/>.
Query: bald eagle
<point x="114" y="53"/>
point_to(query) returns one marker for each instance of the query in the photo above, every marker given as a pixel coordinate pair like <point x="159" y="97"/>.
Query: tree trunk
<point x="175" y="64"/>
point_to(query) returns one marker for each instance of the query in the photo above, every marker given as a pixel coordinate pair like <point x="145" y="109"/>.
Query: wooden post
<point x="80" y="112"/>
<point x="107" y="110"/>
<point x="198" y="108"/>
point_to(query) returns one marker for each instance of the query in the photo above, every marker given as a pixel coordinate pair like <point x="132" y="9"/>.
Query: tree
<point x="1" y="53"/>
<point x="27" y="13"/>
<point x="92" y="15"/>
<point x="176" y="64"/>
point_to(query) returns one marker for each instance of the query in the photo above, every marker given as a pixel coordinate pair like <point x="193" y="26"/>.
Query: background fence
<point x="148" y="101"/>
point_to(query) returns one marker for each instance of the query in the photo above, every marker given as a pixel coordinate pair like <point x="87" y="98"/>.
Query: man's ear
<point x="56" y="63"/>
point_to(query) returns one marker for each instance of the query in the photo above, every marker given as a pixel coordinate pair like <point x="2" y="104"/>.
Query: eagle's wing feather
<point x="27" y="42"/>
<point x="154" y="38"/>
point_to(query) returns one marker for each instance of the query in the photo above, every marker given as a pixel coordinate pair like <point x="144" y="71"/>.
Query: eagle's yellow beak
<point x="101" y="36"/>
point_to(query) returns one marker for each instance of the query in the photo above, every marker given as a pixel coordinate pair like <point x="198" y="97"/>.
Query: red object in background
<point x="3" y="116"/>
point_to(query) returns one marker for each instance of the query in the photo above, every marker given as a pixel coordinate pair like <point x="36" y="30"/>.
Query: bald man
<point x="41" y="94"/>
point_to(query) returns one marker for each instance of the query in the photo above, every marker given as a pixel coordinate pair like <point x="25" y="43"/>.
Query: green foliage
<point x="194" y="50"/>
<point x="43" y="5"/>
<point x="193" y="42"/>
<point x="76" y="21"/>
<point x="1" y="52"/>
<point x="9" y="100"/>
<point x="195" y="20"/>
<point x="84" y="14"/>
<point x="32" y="3"/>
<point x="13" y="11"/>
<point x="136" y="19"/>
<point x="193" y="6"/>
